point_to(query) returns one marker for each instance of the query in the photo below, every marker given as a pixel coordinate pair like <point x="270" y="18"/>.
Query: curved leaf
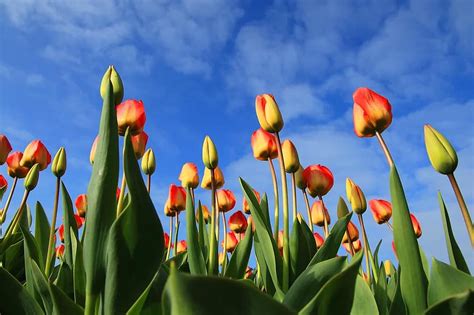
<point x="380" y="291"/>
<point x="459" y="304"/>
<point x="364" y="302"/>
<point x="196" y="261"/>
<point x="42" y="287"/>
<point x="299" y="251"/>
<point x="240" y="257"/>
<point x="42" y="228"/>
<point x="62" y="304"/>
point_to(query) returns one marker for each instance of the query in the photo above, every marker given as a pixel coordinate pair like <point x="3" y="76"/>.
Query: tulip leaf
<point x="240" y="257"/>
<point x="300" y="254"/>
<point x="202" y="233"/>
<point x="135" y="245"/>
<point x="309" y="237"/>
<point x="376" y="259"/>
<point x="380" y="291"/>
<point x="150" y="300"/>
<point x="13" y="259"/>
<point x="41" y="286"/>
<point x="197" y="265"/>
<point x="265" y="210"/>
<point x="264" y="276"/>
<point x="78" y="272"/>
<point x="413" y="282"/>
<point x="31" y="254"/>
<point x="62" y="304"/>
<point x="454" y="252"/>
<point x="397" y="306"/>
<point x="364" y="302"/>
<point x="186" y="294"/>
<point x="101" y="200"/>
<point x="459" y="304"/>
<point x="42" y="229"/>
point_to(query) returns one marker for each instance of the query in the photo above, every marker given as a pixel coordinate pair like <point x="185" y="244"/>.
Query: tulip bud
<point x="342" y="209"/>
<point x="319" y="180"/>
<point x="218" y="178"/>
<point x="268" y="113"/>
<point x="416" y="226"/>
<point x="225" y="200"/>
<point x="117" y="85"/>
<point x="232" y="242"/>
<point x="352" y="233"/>
<point x="139" y="144"/>
<point x="290" y="156"/>
<point x="238" y="222"/>
<point x="31" y="179"/>
<point x="245" y="205"/>
<point x="189" y="176"/>
<point x="264" y="145"/>
<point x="166" y="239"/>
<point x="318" y="239"/>
<point x="14" y="168"/>
<point x="318" y="212"/>
<point x="387" y="264"/>
<point x="81" y="205"/>
<point x="93" y="149"/>
<point x="381" y="210"/>
<point x="167" y="209"/>
<point x="355" y="244"/>
<point x="372" y="112"/>
<point x="205" y="214"/>
<point x="59" y="163"/>
<point x="441" y="153"/>
<point x="280" y="242"/>
<point x="36" y="153"/>
<point x="300" y="183"/>
<point x="356" y="197"/>
<point x="250" y="223"/>
<point x="209" y="153"/>
<point x="60" y="251"/>
<point x="3" y="187"/>
<point x="182" y="246"/>
<point x="5" y="148"/>
<point x="177" y="198"/>
<point x="148" y="162"/>
<point x="131" y="114"/>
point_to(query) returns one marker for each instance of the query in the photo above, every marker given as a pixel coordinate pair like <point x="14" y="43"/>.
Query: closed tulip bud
<point x="264" y="145"/>
<point x="441" y="153"/>
<point x="342" y="209"/>
<point x="81" y="205"/>
<point x="245" y="205"/>
<point x="351" y="232"/>
<point x="319" y="180"/>
<point x="372" y="112"/>
<point x="290" y="156"/>
<point x="356" y="197"/>
<point x="139" y="144"/>
<point x="3" y="186"/>
<point x="60" y="251"/>
<point x="416" y="226"/>
<point x="205" y="214"/>
<point x="93" y="149"/>
<point x="209" y="154"/>
<point x="189" y="176"/>
<point x="14" y="168"/>
<point x="36" y="153"/>
<point x="381" y="210"/>
<point x="182" y="246"/>
<point x="31" y="179"/>
<point x="318" y="212"/>
<point x="318" y="239"/>
<point x="148" y="162"/>
<point x="355" y="244"/>
<point x="300" y="183"/>
<point x="58" y="167"/>
<point x="131" y="114"/>
<point x="387" y="264"/>
<point x="167" y="209"/>
<point x="225" y="200"/>
<point x="218" y="178"/>
<point x="177" y="198"/>
<point x="5" y="148"/>
<point x="238" y="222"/>
<point x="250" y="223"/>
<point x="268" y="113"/>
<point x="232" y="242"/>
<point x="117" y="85"/>
<point x="166" y="239"/>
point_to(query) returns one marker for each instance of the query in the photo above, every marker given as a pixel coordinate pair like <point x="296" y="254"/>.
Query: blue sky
<point x="198" y="65"/>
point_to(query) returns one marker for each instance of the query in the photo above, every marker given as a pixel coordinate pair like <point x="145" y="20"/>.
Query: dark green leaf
<point x="364" y="302"/>
<point x="203" y="239"/>
<point x="62" y="304"/>
<point x="42" y="287"/>
<point x="299" y="251"/>
<point x="31" y="254"/>
<point x="380" y="291"/>
<point x="397" y="306"/>
<point x="240" y="257"/>
<point x="79" y="274"/>
<point x="459" y="304"/>
<point x="42" y="229"/>
<point x="196" y="261"/>
<point x="13" y="259"/>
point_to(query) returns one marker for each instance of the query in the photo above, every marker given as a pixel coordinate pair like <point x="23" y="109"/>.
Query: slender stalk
<point x="92" y="302"/>
<point x="3" y="213"/>
<point x="192" y="196"/>
<point x="366" y="247"/>
<point x="276" y="199"/>
<point x="169" y="239"/>
<point x="213" y="241"/>
<point x="463" y="206"/>
<point x="16" y="219"/>
<point x="176" y="230"/>
<point x="389" y="225"/>
<point x="148" y="183"/>
<point x="224" y="225"/>
<point x="385" y="149"/>
<point x="122" y="194"/>
<point x="52" y="231"/>
<point x="286" y="223"/>
<point x="351" y="246"/>
<point x="293" y="186"/>
<point x="308" y="209"/>
<point x="326" y="228"/>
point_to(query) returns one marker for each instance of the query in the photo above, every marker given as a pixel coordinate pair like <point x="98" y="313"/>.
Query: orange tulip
<point x="139" y="144"/>
<point x="93" y="149"/>
<point x="352" y="232"/>
<point x="416" y="226"/>
<point x="36" y="152"/>
<point x="381" y="210"/>
<point x="232" y="242"/>
<point x="182" y="246"/>
<point x="245" y="205"/>
<point x="372" y="112"/>
<point x="238" y="222"/>
<point x="355" y="244"/>
<point x="218" y="176"/>
<point x="177" y="198"/>
<point x="290" y="156"/>
<point x="268" y="113"/>
<point x="280" y="242"/>
<point x="14" y="168"/>
<point x="205" y="214"/>
<point x="60" y="251"/>
<point x="263" y="145"/>
<point x="225" y="200"/>
<point x="167" y="209"/>
<point x="131" y="114"/>
<point x="166" y="238"/>
<point x="319" y="180"/>
<point x="318" y="211"/>
<point x="189" y="176"/>
<point x="319" y="239"/>
<point x="250" y="223"/>
<point x="5" y="148"/>
<point x="81" y="205"/>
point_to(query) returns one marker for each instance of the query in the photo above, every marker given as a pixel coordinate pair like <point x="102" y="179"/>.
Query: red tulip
<point x="5" y="148"/>
<point x="263" y="145"/>
<point x="131" y="114"/>
<point x="3" y="185"/>
<point x="319" y="180"/>
<point x="189" y="175"/>
<point x="352" y="232"/>
<point x="372" y="112"/>
<point x="232" y="242"/>
<point x="14" y="168"/>
<point x="177" y="198"/>
<point x="81" y="205"/>
<point x="139" y="144"/>
<point x="416" y="226"/>
<point x="79" y="222"/>
<point x="167" y="240"/>
<point x="238" y="222"/>
<point x="225" y="200"/>
<point x="245" y="205"/>
<point x="381" y="210"/>
<point x="36" y="152"/>
<point x="318" y="211"/>
<point x="182" y="246"/>
<point x="60" y="251"/>
<point x="318" y="239"/>
<point x="167" y="209"/>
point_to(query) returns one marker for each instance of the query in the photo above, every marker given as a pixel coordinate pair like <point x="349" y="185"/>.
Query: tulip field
<point x="108" y="252"/>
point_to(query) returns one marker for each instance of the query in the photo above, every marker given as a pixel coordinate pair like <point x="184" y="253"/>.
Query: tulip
<point x="238" y="222"/>
<point x="60" y="251"/>
<point x="93" y="149"/>
<point x="280" y="242"/>
<point x="14" y="168"/>
<point x="441" y="153"/>
<point x="268" y="113"/>
<point x="352" y="233"/>
<point x="381" y="210"/>
<point x="372" y="113"/>
<point x="182" y="246"/>
<point x="300" y="183"/>
<point x="356" y="245"/>
<point x="218" y="177"/>
<point x="3" y="186"/>
<point x="177" y="198"/>
<point x="81" y="205"/>
<point x="264" y="145"/>
<point x="34" y="153"/>
<point x="139" y="144"/>
<point x="189" y="176"/>
<point x="290" y="156"/>
<point x="148" y="162"/>
<point x="318" y="179"/>
<point x="318" y="239"/>
<point x="225" y="200"/>
<point x="250" y="223"/>
<point x="245" y="205"/>
<point x="5" y="148"/>
<point x="166" y="238"/>
<point x="58" y="167"/>
<point x="167" y="209"/>
<point x="416" y="226"/>
<point x="117" y="86"/>
<point x="117" y="193"/>
<point x="205" y="214"/>
<point x="31" y="179"/>
<point x="79" y="222"/>
<point x="231" y="243"/>
<point x="131" y="114"/>
<point x="209" y="153"/>
<point x="356" y="197"/>
<point x="387" y="264"/>
<point x="318" y="212"/>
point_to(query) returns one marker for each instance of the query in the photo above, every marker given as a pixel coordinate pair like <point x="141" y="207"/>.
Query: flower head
<point x="36" y="152"/>
<point x="225" y="200"/>
<point x="319" y="180"/>
<point x="264" y="145"/>
<point x="131" y="114"/>
<point x="268" y="113"/>
<point x="381" y="210"/>
<point x="5" y="148"/>
<point x="189" y="176"/>
<point x="238" y="222"/>
<point x="372" y="112"/>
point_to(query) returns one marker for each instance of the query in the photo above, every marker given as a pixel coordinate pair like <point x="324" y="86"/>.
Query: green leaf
<point x="41" y="286"/>
<point x="459" y="304"/>
<point x="364" y="302"/>
<point x="376" y="258"/>
<point x="424" y="262"/>
<point x="31" y="254"/>
<point x="135" y="246"/>
<point x="413" y="282"/>
<point x="197" y="265"/>
<point x="299" y="251"/>
<point x="62" y="304"/>
<point x="42" y="229"/>
<point x="240" y="257"/>
<point x="78" y="272"/>
<point x="203" y="237"/>
<point x="310" y="242"/>
<point x="13" y="259"/>
<point x="264" y="278"/>
<point x="380" y="291"/>
<point x="397" y="306"/>
<point x="454" y="252"/>
<point x="265" y="210"/>
<point x="150" y="300"/>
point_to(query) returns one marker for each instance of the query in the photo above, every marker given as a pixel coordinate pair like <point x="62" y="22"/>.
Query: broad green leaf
<point x="135" y="246"/>
<point x="364" y="302"/>
<point x="310" y="241"/>
<point x="62" y="304"/>
<point x="265" y="210"/>
<point x="13" y="259"/>
<point x="413" y="282"/>
<point x="454" y="252"/>
<point x="424" y="262"/>
<point x="264" y="278"/>
<point x="31" y="254"/>
<point x="42" y="287"/>
<point x="240" y="257"/>
<point x="42" y="229"/>
<point x="397" y="306"/>
<point x="202" y="233"/>
<point x="78" y="272"/>
<point x="196" y="261"/>
<point x="150" y="300"/>
<point x="380" y="291"/>
<point x="65" y="280"/>
<point x="459" y="304"/>
<point x="376" y="259"/>
<point x="299" y="251"/>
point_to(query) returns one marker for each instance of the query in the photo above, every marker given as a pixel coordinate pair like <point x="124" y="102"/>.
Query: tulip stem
<point x="16" y="219"/>
<point x="122" y="194"/>
<point x="3" y="214"/>
<point x="463" y="206"/>
<point x="169" y="239"/>
<point x="176" y="230"/>
<point x="367" y="251"/>
<point x="52" y="231"/>
<point x="389" y="225"/>
<point x="224" y="225"/>
<point x="148" y="183"/>
<point x="213" y="241"/>
<point x="286" y="223"/>
<point x="293" y="185"/>
<point x="308" y="209"/>
<point x="385" y="149"/>
<point x="326" y="228"/>
<point x="351" y="246"/>
<point x="276" y="200"/>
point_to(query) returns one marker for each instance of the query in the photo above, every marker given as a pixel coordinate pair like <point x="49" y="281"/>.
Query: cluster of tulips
<point x="122" y="260"/>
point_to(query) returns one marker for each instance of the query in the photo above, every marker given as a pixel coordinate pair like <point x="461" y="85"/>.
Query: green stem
<point x="308" y="209"/>
<point x="276" y="200"/>
<point x="169" y="239"/>
<point x="293" y="186"/>
<point x="326" y="228"/>
<point x="385" y="149"/>
<point x="91" y="304"/>
<point x="52" y="231"/>
<point x="16" y="219"/>
<point x="369" y="258"/>
<point x="224" y="225"/>
<point x="463" y="206"/>
<point x="3" y="213"/>
<point x="213" y="241"/>
<point x="121" y="196"/>
<point x="176" y="230"/>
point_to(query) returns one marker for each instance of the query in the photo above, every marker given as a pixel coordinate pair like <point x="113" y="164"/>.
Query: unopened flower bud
<point x="117" y="85"/>
<point x="31" y="179"/>
<point x="148" y="162"/>
<point x="441" y="153"/>
<point x="209" y="153"/>
<point x="59" y="163"/>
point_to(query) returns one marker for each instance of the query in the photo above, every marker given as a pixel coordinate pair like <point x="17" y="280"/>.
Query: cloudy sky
<point x="198" y="65"/>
